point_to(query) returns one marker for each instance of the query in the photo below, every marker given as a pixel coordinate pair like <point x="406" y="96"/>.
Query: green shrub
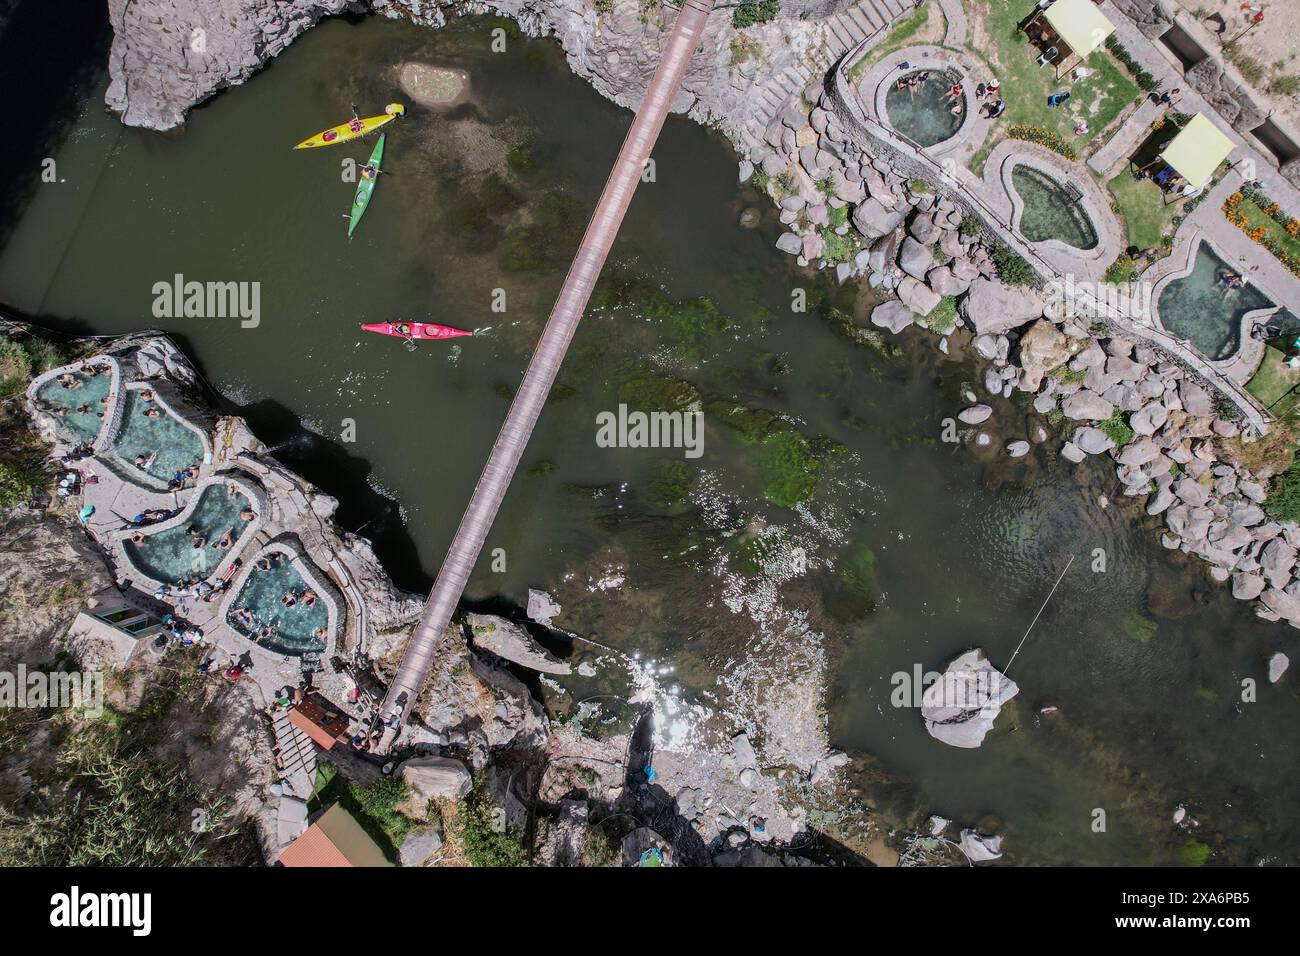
<point x="1117" y="429"/>
<point x="1283" y="501"/>
<point x="1121" y="270"/>
<point x="1012" y="269"/>
<point x="379" y="801"/>
<point x="1194" y="853"/>
<point x="971" y="225"/>
<point x="15" y="368"/>
<point x="17" y="482"/>
<point x="1286" y="85"/>
<point x="944" y="316"/>
<point x="485" y="845"/>
<point x="754" y="11"/>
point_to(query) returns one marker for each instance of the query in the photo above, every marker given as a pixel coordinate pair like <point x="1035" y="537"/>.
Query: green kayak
<point x="366" y="186"/>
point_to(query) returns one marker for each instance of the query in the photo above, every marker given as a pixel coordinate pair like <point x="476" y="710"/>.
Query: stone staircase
<point x="838" y="34"/>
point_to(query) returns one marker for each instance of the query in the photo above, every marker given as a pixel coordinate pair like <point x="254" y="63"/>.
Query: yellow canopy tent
<point x="1075" y="28"/>
<point x="1197" y="151"/>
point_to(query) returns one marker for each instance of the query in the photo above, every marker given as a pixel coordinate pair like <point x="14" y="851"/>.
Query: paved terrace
<point x="286" y="517"/>
<point x="491" y="489"/>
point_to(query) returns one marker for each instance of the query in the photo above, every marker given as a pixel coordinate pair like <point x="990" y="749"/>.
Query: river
<point x="915" y="550"/>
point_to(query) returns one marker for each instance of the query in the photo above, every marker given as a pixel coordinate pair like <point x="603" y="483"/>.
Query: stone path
<point x="679" y="49"/>
<point x="958" y="29"/>
<point x="866" y="18"/>
<point x="1132" y="132"/>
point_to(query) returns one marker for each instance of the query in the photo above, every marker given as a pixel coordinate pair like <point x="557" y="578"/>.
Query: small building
<point x="335" y="839"/>
<point x="112" y="628"/>
<point x="324" y="725"/>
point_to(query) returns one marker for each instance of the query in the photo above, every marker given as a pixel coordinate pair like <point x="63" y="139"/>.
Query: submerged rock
<point x="435" y="86"/>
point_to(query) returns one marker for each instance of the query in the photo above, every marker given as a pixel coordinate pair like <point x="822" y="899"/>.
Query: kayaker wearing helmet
<point x="368" y="172"/>
<point x="356" y="125"/>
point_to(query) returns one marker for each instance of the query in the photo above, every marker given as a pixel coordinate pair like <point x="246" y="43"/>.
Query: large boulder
<point x="914" y="258"/>
<point x="992" y="307"/>
<point x="942" y="280"/>
<point x="1086" y="405"/>
<point x="917" y="296"/>
<point x="872" y="219"/>
<point x="419" y="846"/>
<point x="960" y="707"/>
<point x="542" y="608"/>
<point x="1042" y="348"/>
<point x="1094" y="441"/>
<point x="436" y="778"/>
<point x="508" y="640"/>
<point x="892" y="315"/>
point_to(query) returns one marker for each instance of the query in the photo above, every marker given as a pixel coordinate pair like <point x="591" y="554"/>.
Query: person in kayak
<point x="369" y="172"/>
<point x="356" y="125"/>
<point x="403" y="328"/>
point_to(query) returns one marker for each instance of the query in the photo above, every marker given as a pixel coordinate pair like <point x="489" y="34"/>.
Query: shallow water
<point x="916" y="550"/>
<point x="1196" y="307"/>
<point x="294" y="627"/>
<point x="81" y="426"/>
<point x="1050" y="212"/>
<point x="924" y="113"/>
<point x="174" y="446"/>
<point x="170" y="555"/>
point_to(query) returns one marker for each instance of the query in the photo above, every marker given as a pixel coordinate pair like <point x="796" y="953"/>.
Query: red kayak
<point x="415" y="330"/>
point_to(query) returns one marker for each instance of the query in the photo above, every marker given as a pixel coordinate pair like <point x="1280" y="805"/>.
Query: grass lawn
<point x="1272" y="381"/>
<point x="1099" y="99"/>
<point x="1142" y="206"/>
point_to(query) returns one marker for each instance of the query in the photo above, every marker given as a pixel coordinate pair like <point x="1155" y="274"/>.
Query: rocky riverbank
<point x="1175" y="444"/>
<point x="712" y="795"/>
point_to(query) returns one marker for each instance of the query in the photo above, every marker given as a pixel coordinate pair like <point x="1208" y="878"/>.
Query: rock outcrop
<point x="960" y="707"/>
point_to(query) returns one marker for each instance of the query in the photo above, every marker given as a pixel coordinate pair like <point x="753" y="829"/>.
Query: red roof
<point x="321" y="725"/>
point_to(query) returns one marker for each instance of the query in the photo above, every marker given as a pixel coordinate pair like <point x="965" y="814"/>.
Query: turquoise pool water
<point x="1051" y="212"/>
<point x="294" y="627"/>
<point x="176" y="447"/>
<point x="169" y="555"/>
<point x="79" y="426"/>
<point x="924" y="113"/>
<point x="1196" y="308"/>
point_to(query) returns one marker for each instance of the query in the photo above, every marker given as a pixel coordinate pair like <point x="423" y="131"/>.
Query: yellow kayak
<point x="353" y="129"/>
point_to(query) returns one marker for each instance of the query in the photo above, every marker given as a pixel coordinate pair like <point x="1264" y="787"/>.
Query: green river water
<point x="917" y="550"/>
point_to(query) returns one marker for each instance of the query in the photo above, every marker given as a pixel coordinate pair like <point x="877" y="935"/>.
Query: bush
<point x="971" y="225"/>
<point x="1283" y="501"/>
<point x="1143" y="79"/>
<point x="1012" y="269"/>
<point x="379" y="801"/>
<point x="1117" y="429"/>
<point x="1045" y="138"/>
<point x="1121" y="270"/>
<point x="17" y="482"/>
<point x="484" y="844"/>
<point x="944" y="316"/>
<point x="754" y="11"/>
